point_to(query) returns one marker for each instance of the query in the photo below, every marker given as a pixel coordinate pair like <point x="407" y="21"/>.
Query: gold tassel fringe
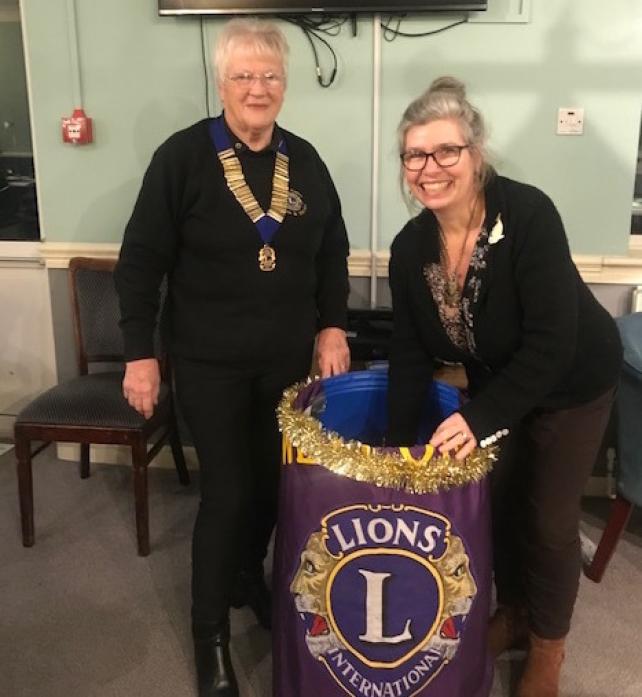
<point x="378" y="466"/>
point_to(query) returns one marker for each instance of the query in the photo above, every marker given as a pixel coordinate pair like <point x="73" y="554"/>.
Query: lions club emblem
<point x="383" y="593"/>
<point x="296" y="205"/>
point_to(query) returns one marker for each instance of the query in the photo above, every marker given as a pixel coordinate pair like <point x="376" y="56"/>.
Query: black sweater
<point x="187" y="225"/>
<point x="542" y="339"/>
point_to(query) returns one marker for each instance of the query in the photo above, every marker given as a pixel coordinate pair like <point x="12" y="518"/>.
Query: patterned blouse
<point x="458" y="321"/>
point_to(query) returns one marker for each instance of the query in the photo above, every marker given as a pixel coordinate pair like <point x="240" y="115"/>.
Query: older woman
<point x="483" y="276"/>
<point x="243" y="219"/>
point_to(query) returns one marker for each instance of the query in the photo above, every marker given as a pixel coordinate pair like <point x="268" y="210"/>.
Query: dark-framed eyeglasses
<point x="444" y="156"/>
<point x="246" y="79"/>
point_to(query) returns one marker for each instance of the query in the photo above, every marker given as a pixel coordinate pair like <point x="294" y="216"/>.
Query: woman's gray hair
<point x="264" y="38"/>
<point x="446" y="99"/>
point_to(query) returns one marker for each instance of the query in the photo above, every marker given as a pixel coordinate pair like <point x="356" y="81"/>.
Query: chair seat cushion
<point x="94" y="400"/>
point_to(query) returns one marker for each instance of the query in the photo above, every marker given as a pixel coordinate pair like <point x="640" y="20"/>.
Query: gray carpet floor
<point x="81" y="615"/>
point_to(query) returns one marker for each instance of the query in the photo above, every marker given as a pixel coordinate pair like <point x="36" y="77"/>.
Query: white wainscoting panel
<point x="27" y="353"/>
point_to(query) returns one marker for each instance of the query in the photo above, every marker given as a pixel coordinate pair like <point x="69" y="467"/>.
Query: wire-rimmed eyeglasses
<point x="246" y="79"/>
<point x="444" y="156"/>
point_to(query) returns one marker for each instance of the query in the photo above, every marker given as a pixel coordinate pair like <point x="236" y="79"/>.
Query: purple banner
<point x="378" y="592"/>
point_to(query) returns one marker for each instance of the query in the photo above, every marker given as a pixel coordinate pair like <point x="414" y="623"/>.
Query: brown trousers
<point x="537" y="487"/>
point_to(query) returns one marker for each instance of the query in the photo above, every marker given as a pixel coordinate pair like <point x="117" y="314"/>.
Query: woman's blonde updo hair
<point x="446" y="99"/>
<point x="261" y="37"/>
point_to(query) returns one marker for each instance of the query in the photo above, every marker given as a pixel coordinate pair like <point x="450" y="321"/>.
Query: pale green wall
<point x="14" y="109"/>
<point x="573" y="53"/>
<point x="142" y="80"/>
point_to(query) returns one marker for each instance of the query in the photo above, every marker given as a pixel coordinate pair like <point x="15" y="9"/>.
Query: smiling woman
<point x="251" y="78"/>
<point x="243" y="219"/>
<point x="252" y="92"/>
<point x="483" y="277"/>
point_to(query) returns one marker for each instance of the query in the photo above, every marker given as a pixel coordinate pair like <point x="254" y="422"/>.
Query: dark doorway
<point x="18" y="200"/>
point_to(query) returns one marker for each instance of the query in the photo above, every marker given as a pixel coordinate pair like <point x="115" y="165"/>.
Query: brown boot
<point x="507" y="629"/>
<point x="541" y="677"/>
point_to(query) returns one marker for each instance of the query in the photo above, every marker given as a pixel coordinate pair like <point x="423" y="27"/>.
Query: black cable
<point x="390" y="34"/>
<point x="328" y="24"/>
<point x="335" y="63"/>
<point x="306" y="32"/>
<point x="204" y="59"/>
<point x="313" y="28"/>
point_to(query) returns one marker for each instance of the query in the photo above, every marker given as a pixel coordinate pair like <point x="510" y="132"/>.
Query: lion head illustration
<point x="308" y="588"/>
<point x="460" y="590"/>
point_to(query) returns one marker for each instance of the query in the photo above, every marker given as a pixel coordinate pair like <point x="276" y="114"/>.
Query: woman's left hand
<point x="454" y="435"/>
<point x="333" y="354"/>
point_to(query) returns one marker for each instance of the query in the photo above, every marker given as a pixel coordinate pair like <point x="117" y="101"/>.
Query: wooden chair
<point x="91" y="408"/>
<point x="629" y="446"/>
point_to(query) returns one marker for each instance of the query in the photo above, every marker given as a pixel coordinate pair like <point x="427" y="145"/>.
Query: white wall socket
<point x="570" y="121"/>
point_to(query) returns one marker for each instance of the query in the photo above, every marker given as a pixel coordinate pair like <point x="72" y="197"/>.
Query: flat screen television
<point x="230" y="7"/>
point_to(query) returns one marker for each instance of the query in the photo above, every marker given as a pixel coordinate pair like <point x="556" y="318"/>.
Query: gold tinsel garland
<point x="377" y="466"/>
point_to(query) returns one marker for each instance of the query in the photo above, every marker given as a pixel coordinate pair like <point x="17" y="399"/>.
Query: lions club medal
<point x="267" y="258"/>
<point x="267" y="223"/>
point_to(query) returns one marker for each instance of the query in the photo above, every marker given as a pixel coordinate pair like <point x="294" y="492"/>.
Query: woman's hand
<point x="454" y="435"/>
<point x="141" y="385"/>
<point x="333" y="354"/>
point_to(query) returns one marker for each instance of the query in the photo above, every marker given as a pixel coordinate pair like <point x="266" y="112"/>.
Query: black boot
<point x="251" y="589"/>
<point x="214" y="671"/>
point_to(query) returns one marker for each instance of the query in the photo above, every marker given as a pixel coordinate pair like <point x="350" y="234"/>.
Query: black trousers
<point x="537" y="488"/>
<point x="230" y="412"/>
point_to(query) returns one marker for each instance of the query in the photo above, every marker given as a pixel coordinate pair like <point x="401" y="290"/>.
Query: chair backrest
<point x="95" y="312"/>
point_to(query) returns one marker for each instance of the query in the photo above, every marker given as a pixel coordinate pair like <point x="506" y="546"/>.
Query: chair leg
<point x="617" y="522"/>
<point x="177" y="453"/>
<point x="84" y="460"/>
<point x="25" y="490"/>
<point x="141" y="498"/>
